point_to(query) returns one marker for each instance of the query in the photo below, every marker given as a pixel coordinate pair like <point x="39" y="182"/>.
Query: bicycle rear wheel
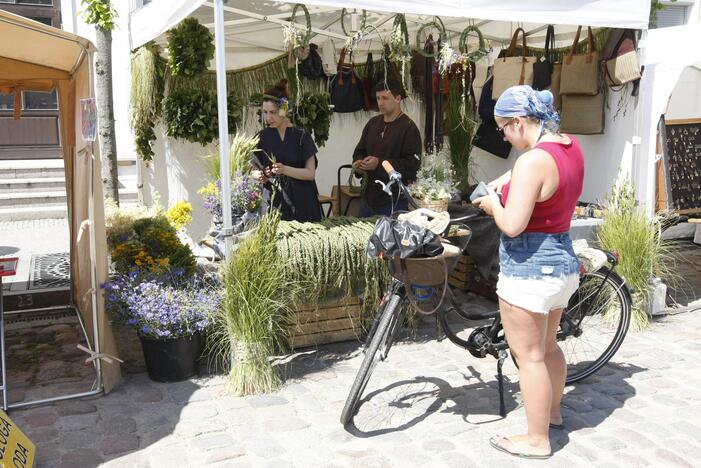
<point x="595" y="323"/>
<point x="390" y="320"/>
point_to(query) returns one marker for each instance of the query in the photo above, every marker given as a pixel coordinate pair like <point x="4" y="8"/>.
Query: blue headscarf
<point x="524" y="101"/>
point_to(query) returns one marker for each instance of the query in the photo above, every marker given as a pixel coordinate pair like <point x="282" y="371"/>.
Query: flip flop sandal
<point x="494" y="443"/>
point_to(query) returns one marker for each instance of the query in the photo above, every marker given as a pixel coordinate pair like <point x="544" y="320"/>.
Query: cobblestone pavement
<point x="430" y="404"/>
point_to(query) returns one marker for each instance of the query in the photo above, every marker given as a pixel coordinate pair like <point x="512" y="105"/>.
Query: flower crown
<point x="282" y="103"/>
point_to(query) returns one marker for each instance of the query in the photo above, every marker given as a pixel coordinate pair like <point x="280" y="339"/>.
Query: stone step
<point x="32" y="168"/>
<point x="49" y="198"/>
<point x="32" y="184"/>
<point x="25" y="213"/>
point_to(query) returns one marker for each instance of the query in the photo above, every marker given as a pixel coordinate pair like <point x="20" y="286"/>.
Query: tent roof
<point x="251" y="23"/>
<point x="34" y="43"/>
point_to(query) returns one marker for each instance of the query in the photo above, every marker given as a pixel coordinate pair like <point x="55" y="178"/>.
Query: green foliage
<point x="627" y="230"/>
<point x="462" y="125"/>
<point x="314" y="115"/>
<point x="190" y="48"/>
<point x="252" y="324"/>
<point x="147" y="84"/>
<point x="100" y="13"/>
<point x="191" y="114"/>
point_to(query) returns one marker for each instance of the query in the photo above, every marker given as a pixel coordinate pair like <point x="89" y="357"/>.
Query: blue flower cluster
<point x="166" y="307"/>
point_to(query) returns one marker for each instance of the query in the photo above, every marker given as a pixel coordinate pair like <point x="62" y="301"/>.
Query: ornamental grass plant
<point x="637" y="239"/>
<point x="252" y="324"/>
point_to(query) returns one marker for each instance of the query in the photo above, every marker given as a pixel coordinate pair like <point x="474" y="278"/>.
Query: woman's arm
<point x="498" y="183"/>
<point x="527" y="179"/>
<point x="306" y="173"/>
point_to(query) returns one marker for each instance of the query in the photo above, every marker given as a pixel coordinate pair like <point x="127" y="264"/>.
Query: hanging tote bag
<point x="543" y="69"/>
<point x="580" y="72"/>
<point x="555" y="86"/>
<point x="582" y="114"/>
<point x="346" y="88"/>
<point x="513" y="70"/>
<point x="621" y="58"/>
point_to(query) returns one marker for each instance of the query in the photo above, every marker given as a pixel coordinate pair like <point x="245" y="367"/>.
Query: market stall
<point x="37" y="57"/>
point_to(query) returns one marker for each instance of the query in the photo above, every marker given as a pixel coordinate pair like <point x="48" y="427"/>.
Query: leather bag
<point x="580" y="72"/>
<point x="346" y="88"/>
<point x="621" y="58"/>
<point x="543" y="69"/>
<point x="512" y="70"/>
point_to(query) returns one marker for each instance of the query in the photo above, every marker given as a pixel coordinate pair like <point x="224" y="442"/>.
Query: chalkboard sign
<point x="681" y="150"/>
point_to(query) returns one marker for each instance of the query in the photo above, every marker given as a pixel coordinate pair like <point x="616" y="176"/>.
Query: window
<point x="7" y="101"/>
<point x="41" y="19"/>
<point x="32" y="100"/>
<point x="672" y="15"/>
<point x="39" y="100"/>
<point x="29" y="2"/>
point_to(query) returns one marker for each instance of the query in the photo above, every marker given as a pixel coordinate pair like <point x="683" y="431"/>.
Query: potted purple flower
<point x="170" y="314"/>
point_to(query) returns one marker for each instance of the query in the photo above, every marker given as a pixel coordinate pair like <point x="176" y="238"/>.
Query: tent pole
<point x="220" y="57"/>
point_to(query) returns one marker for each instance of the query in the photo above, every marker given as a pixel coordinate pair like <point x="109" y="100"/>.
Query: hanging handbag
<point x="582" y="114"/>
<point x="580" y="72"/>
<point x="513" y="70"/>
<point x="346" y="88"/>
<point x="369" y="84"/>
<point x="621" y="58"/>
<point x="555" y="86"/>
<point x="312" y="67"/>
<point x="543" y="69"/>
<point x="488" y="138"/>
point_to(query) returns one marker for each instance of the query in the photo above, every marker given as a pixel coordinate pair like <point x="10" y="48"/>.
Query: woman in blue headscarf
<point x="539" y="270"/>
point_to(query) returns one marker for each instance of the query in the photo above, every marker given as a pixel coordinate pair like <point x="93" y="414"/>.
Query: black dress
<point x="298" y="200"/>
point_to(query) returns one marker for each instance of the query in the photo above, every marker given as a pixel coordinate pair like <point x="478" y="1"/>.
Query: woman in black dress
<point x="291" y="175"/>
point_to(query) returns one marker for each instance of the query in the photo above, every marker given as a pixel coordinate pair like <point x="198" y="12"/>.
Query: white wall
<point x="685" y="102"/>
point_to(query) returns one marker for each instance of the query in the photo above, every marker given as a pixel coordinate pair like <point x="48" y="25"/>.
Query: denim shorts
<point x="539" y="271"/>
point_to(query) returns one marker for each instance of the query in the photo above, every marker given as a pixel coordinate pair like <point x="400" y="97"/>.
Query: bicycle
<point x="600" y="308"/>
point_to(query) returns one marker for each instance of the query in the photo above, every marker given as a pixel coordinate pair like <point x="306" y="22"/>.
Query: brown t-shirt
<point x="398" y="142"/>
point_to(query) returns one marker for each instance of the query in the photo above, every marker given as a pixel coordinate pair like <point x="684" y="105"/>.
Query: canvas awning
<point x="37" y="57"/>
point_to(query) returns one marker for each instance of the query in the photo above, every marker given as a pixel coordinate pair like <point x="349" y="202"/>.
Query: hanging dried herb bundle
<point x="190" y="48"/>
<point x="147" y="83"/>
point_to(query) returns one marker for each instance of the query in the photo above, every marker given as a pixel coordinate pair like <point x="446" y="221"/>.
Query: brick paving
<point x="430" y="404"/>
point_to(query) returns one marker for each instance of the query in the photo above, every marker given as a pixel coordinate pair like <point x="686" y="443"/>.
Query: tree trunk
<point x="105" y="113"/>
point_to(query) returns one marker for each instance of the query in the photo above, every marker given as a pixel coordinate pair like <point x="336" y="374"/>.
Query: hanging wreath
<point x="399" y="48"/>
<point x="481" y="48"/>
<point x="438" y="25"/>
<point x="293" y="36"/>
<point x="190" y="48"/>
<point x="343" y="25"/>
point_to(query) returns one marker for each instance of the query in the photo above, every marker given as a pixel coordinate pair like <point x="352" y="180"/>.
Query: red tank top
<point x="555" y="214"/>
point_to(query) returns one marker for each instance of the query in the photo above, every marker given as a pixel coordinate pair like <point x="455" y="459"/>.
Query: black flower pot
<point x="171" y="360"/>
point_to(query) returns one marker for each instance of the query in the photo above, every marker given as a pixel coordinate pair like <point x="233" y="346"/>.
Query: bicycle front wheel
<point x="379" y="344"/>
<point x="595" y="323"/>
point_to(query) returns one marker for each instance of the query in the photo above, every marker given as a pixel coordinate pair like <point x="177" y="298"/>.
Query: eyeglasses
<point x="501" y="129"/>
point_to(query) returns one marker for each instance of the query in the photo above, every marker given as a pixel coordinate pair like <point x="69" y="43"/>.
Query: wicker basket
<point x="431" y="271"/>
<point x="434" y="205"/>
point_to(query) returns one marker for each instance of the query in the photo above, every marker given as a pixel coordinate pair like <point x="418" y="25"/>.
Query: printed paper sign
<point x="88" y="119"/>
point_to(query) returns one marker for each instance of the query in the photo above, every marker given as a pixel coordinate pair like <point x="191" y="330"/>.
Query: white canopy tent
<point x="248" y="32"/>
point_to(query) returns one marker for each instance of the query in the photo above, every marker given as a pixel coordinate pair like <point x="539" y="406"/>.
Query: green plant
<point x="637" y="239"/>
<point x="462" y="125"/>
<point x="252" y="324"/>
<point x="314" y="115"/>
<point x="190" y="48"/>
<point x="239" y="157"/>
<point x="191" y="114"/>
<point x="101" y="13"/>
<point x="147" y="84"/>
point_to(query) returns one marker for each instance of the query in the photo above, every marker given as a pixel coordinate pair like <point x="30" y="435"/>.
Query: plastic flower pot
<point x="171" y="360"/>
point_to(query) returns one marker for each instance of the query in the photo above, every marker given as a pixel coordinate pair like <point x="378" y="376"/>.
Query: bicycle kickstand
<point x="500" y="377"/>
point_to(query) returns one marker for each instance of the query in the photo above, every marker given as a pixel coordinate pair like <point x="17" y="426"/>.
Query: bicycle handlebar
<point x="395" y="177"/>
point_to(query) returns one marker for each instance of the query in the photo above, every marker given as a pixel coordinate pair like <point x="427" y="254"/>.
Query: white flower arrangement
<point x="447" y="57"/>
<point x="435" y="179"/>
<point x="354" y="40"/>
<point x="293" y="37"/>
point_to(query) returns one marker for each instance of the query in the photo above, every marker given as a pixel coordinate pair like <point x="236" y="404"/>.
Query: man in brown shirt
<point x="390" y="136"/>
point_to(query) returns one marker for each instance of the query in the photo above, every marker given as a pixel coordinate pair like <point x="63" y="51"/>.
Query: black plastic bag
<point x="403" y="239"/>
